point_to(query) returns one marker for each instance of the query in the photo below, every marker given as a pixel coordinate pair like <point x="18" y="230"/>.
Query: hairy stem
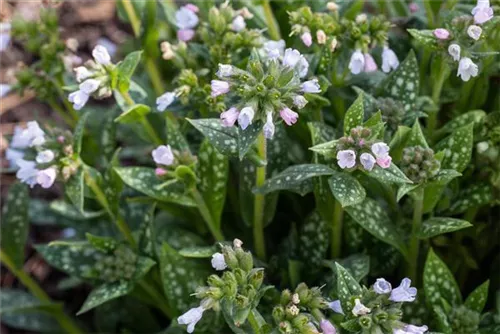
<point x="414" y="241"/>
<point x="338" y="219"/>
<point x="62" y="318"/>
<point x="205" y="213"/>
<point x="258" y="219"/>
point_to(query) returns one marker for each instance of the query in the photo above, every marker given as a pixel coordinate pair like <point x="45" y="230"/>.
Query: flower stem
<point x="155" y="76"/>
<point x="429" y="13"/>
<point x="414" y="241"/>
<point x="272" y="24"/>
<point x="258" y="219"/>
<point x="132" y="16"/>
<point x="443" y="72"/>
<point x="101" y="198"/>
<point x="67" y="119"/>
<point x="205" y="213"/>
<point x="338" y="218"/>
<point x="62" y="318"/>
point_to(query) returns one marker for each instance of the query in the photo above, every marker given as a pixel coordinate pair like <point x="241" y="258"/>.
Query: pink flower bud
<point x="441" y="33"/>
<point x="192" y="8"/>
<point x="306" y="38"/>
<point x="60" y="139"/>
<point x="160" y="172"/>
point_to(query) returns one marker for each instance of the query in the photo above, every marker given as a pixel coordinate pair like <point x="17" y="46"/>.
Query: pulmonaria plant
<point x="419" y="164"/>
<point x="266" y="91"/>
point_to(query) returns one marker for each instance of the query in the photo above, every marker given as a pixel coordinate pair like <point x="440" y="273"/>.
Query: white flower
<point x="163" y="101"/>
<point x="336" y="306"/>
<point x="82" y="73"/>
<point x="474" y="32"/>
<point x="454" y="51"/>
<point x="185" y="18"/>
<point x="163" y="155"/>
<point x="389" y="60"/>
<point x="89" y="86"/>
<point x="12" y="156"/>
<point x="361" y="18"/>
<point x="411" y="329"/>
<point x="275" y="49"/>
<point x="245" y="117"/>
<point x="46" y="177"/>
<point x="4" y="35"/>
<point x="229" y="117"/>
<point x="18" y="139"/>
<point x="191" y="318"/>
<point x="306" y="38"/>
<point x="346" y="158"/>
<point x="467" y="69"/>
<point x="482" y="12"/>
<point x="224" y="71"/>
<point x="403" y="293"/>
<point x="45" y="156"/>
<point x="302" y="67"/>
<point x="101" y="55"/>
<point x="367" y="160"/>
<point x="269" y="126"/>
<point x="27" y="172"/>
<point x="311" y="86"/>
<point x="381" y="286"/>
<point x="4" y="89"/>
<point x="219" y="87"/>
<point x="359" y="308"/>
<point x="33" y="134"/>
<point x="218" y="262"/>
<point x="238" y="24"/>
<point x="79" y="99"/>
<point x="291" y="57"/>
<point x="357" y="62"/>
<point x="299" y="101"/>
<point x="332" y="6"/>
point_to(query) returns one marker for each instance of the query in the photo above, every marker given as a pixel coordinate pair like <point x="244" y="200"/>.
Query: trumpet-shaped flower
<point x="275" y="49"/>
<point x="245" y="117"/>
<point x="411" y="329"/>
<point x="219" y="87"/>
<point x="79" y="99"/>
<point x="327" y="327"/>
<point x="306" y="38"/>
<point x="441" y="33"/>
<point x="163" y="101"/>
<point x="404" y="292"/>
<point x="336" y="306"/>
<point x="229" y="117"/>
<point x="291" y="57"/>
<point x="191" y="318"/>
<point x="467" y="69"/>
<point x="218" y="262"/>
<point x="289" y="116"/>
<point x="82" y="73"/>
<point x="45" y="156"/>
<point x="89" y="86"/>
<point x="311" y="86"/>
<point x="474" y="32"/>
<point x="367" y="160"/>
<point x="357" y="62"/>
<point x="269" y="127"/>
<point x="381" y="286"/>
<point x="381" y="152"/>
<point x="101" y="55"/>
<point x="185" y="35"/>
<point x="359" y="308"/>
<point x="238" y="24"/>
<point x="482" y="12"/>
<point x="299" y="101"/>
<point x="370" y="65"/>
<point x="389" y="60"/>
<point x="186" y="18"/>
<point x="33" y="134"/>
<point x="46" y="177"/>
<point x="27" y="172"/>
<point x="163" y="155"/>
<point x="346" y="159"/>
<point x="224" y="71"/>
<point x="454" y="51"/>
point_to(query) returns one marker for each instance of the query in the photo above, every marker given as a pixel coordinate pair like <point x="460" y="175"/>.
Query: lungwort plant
<point x="263" y="167"/>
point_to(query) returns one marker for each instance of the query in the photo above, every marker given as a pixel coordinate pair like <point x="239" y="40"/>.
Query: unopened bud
<point x="214" y="280"/>
<point x="286" y="296"/>
<point x="245" y="260"/>
<point x="295" y="298"/>
<point x="332" y="6"/>
<point x="246" y="13"/>
<point x="237" y="243"/>
<point x="321" y="37"/>
<point x="333" y="44"/>
<point x="293" y="310"/>
<point x="256" y="277"/>
<point x="361" y="18"/>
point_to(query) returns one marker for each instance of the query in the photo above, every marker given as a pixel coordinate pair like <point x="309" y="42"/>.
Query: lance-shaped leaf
<point x="225" y="139"/>
<point x="425" y="38"/>
<point x="358" y="265"/>
<point x="213" y="172"/>
<point x="293" y="177"/>
<point x="470" y="117"/>
<point x="247" y="137"/>
<point x="105" y="293"/>
<point x="126" y="68"/>
<point x="457" y="148"/>
<point x="439" y="282"/>
<point x="69" y="211"/>
<point x="373" y="218"/>
<point x="477" y="298"/>
<point x="389" y="175"/>
<point x="403" y="83"/>
<point x="475" y="195"/>
<point x="440" y="225"/>
<point x="15" y="225"/>
<point x="74" y="189"/>
<point x="433" y="191"/>
<point x="346" y="189"/>
<point x="133" y="114"/>
<point x="147" y="233"/>
<point x="144" y="180"/>
<point x="78" y="133"/>
<point x="347" y="287"/>
<point x="327" y="149"/>
<point x="354" y="115"/>
<point x="369" y="101"/>
<point x="137" y="93"/>
<point x="198" y="252"/>
<point x="313" y="239"/>
<point x="416" y="137"/>
<point x="180" y="276"/>
<point x="175" y="138"/>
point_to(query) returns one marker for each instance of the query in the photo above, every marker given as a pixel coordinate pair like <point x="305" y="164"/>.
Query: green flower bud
<point x="365" y="321"/>
<point x="300" y="320"/>
<point x="278" y="313"/>
<point x="285" y="327"/>
<point x="304" y="293"/>
<point x="256" y="277"/>
<point x="241" y="301"/>
<point x="230" y="257"/>
<point x="286" y="297"/>
<point x="241" y="276"/>
<point x="216" y="281"/>
<point x="245" y="260"/>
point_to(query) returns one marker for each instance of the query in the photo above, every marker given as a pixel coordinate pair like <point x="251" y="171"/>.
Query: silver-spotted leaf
<point x="477" y="298"/>
<point x="354" y="115"/>
<point x="74" y="189"/>
<point x="346" y="189"/>
<point x="247" y="137"/>
<point x="416" y="137"/>
<point x="439" y="282"/>
<point x="69" y="211"/>
<point x="175" y="138"/>
<point x="475" y="195"/>
<point x="313" y="239"/>
<point x="470" y="117"/>
<point x="425" y="38"/>
<point x="347" y="287"/>
<point x="225" y="139"/>
<point x="78" y="133"/>
<point x="389" y="175"/>
<point x="15" y="224"/>
<point x="105" y="293"/>
<point x="440" y="225"/>
<point x="457" y="148"/>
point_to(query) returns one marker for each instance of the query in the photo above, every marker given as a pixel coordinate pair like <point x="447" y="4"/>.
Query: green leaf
<point x="439" y="282"/>
<point x="293" y="177"/>
<point x="19" y="301"/>
<point x="358" y="265"/>
<point x="477" y="298"/>
<point x="181" y="277"/>
<point x="354" y="115"/>
<point x="134" y="114"/>
<point x="127" y="67"/>
<point x="389" y="175"/>
<point x="457" y="148"/>
<point x="347" y="287"/>
<point x="405" y="189"/>
<point x="225" y="139"/>
<point x="104" y="244"/>
<point x="198" y="252"/>
<point x="175" y="138"/>
<point x="144" y="180"/>
<point x="374" y="219"/>
<point x="78" y="133"/>
<point x="137" y="93"/>
<point x="327" y="149"/>
<point x="74" y="189"/>
<point x="213" y="170"/>
<point x="403" y="83"/>
<point x="440" y="225"/>
<point x="346" y="189"/>
<point x="247" y="137"/>
<point x="474" y="196"/>
<point x="425" y="38"/>
<point x="105" y="293"/>
<point x="470" y="117"/>
<point x="67" y="210"/>
<point x="416" y="137"/>
<point x="147" y="233"/>
<point x="15" y="224"/>
<point x="313" y="239"/>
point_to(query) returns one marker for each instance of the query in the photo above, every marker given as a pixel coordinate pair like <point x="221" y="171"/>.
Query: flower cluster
<point x="240" y="286"/>
<point x="362" y="34"/>
<point x="266" y="90"/>
<point x="114" y="267"/>
<point x="378" y="309"/>
<point x="40" y="157"/>
<point x="419" y="163"/>
<point x="93" y="78"/>
<point x="359" y="149"/>
<point x="300" y="312"/>
<point x="167" y="159"/>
